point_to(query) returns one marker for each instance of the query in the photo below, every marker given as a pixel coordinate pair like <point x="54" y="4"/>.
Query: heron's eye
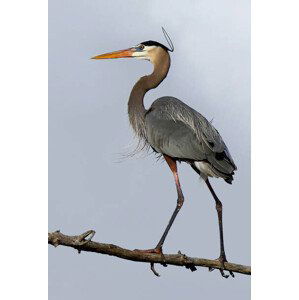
<point x="140" y="47"/>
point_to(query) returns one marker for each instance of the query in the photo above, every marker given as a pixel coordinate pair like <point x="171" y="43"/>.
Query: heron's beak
<point x="116" y="54"/>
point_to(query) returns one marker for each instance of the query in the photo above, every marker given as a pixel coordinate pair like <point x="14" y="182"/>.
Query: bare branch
<point x="83" y="242"/>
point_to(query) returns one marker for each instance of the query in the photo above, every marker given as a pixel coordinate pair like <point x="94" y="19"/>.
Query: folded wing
<point x="175" y="129"/>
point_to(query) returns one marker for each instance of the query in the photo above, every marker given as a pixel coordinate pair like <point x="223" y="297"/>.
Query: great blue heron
<point x="176" y="131"/>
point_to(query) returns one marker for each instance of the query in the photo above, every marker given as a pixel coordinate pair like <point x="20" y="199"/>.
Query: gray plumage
<point x="175" y="129"/>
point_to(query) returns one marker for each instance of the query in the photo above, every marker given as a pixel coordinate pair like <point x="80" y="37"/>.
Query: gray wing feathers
<point x="175" y="129"/>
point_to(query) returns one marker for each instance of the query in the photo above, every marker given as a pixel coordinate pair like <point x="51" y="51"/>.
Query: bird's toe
<point x="222" y="260"/>
<point x="153" y="250"/>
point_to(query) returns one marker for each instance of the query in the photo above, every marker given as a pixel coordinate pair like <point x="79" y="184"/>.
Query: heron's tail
<point x="210" y="171"/>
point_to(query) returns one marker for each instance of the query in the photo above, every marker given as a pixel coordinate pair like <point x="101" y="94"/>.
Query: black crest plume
<point x="154" y="43"/>
<point x="168" y="39"/>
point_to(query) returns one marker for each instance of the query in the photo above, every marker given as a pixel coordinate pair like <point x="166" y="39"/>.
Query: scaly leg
<point x="173" y="166"/>
<point x="222" y="257"/>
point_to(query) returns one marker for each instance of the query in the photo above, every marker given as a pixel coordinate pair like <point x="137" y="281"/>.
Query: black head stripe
<point x="154" y="43"/>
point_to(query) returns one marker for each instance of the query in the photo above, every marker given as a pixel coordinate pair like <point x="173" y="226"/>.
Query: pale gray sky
<point x="129" y="203"/>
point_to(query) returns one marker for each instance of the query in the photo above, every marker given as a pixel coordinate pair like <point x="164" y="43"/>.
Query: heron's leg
<point x="180" y="201"/>
<point x="222" y="257"/>
<point x="173" y="166"/>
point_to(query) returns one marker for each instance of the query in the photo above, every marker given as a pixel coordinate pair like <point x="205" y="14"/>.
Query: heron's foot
<point x="222" y="259"/>
<point x="157" y="250"/>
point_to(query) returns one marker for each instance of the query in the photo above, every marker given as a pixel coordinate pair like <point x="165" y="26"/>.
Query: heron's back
<point x="175" y="129"/>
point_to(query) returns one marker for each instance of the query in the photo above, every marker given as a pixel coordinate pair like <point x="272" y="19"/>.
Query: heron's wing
<point x="175" y="129"/>
<point x="171" y="137"/>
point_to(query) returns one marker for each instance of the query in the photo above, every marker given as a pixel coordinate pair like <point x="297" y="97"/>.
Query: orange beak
<point x="116" y="54"/>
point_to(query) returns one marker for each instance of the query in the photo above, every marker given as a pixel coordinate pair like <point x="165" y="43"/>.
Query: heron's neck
<point x="136" y="107"/>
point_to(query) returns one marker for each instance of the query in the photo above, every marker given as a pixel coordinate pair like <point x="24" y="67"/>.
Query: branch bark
<point x="83" y="242"/>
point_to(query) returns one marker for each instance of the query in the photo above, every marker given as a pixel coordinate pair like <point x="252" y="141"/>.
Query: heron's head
<point x="149" y="50"/>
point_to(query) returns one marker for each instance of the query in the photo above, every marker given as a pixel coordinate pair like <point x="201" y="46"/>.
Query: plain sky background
<point x="129" y="202"/>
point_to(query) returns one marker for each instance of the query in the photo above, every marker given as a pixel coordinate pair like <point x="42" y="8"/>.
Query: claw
<point x="153" y="270"/>
<point x="223" y="274"/>
<point x="232" y="274"/>
<point x="222" y="260"/>
<point x="157" y="250"/>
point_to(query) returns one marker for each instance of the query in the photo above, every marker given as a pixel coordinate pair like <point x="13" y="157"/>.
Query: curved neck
<point x="136" y="107"/>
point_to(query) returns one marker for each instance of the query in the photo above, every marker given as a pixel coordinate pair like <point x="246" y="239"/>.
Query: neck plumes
<point x="136" y="107"/>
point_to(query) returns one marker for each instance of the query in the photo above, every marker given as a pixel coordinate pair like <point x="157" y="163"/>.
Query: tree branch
<point x="83" y="242"/>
